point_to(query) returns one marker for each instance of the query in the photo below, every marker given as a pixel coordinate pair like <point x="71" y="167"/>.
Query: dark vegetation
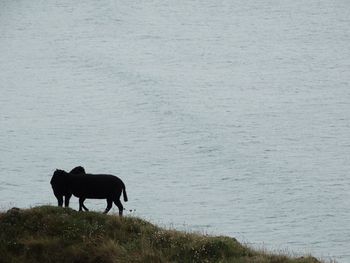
<point x="54" y="234"/>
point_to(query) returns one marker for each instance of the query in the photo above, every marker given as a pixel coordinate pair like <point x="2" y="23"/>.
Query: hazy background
<point x="224" y="117"/>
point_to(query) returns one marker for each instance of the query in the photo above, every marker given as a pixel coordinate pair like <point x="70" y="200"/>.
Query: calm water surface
<point x="224" y="117"/>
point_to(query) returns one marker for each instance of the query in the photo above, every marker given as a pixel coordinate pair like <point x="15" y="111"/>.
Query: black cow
<point x="83" y="186"/>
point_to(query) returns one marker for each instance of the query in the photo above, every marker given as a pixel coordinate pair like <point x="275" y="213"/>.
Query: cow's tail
<point x="124" y="194"/>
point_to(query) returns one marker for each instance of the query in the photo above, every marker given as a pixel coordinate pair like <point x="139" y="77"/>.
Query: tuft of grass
<point x="53" y="234"/>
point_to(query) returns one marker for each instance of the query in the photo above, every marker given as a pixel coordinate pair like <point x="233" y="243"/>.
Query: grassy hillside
<point x="52" y="234"/>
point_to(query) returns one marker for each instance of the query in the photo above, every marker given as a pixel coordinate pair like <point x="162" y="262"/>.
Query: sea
<point x="227" y="117"/>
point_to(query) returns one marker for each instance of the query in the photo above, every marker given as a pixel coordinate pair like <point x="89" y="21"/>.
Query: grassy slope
<point x="52" y="234"/>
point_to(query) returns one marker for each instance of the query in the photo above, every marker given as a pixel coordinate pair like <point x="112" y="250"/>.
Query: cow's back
<point x="95" y="185"/>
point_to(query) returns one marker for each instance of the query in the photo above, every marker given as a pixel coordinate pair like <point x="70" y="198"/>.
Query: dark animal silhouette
<point x="83" y="186"/>
<point x="60" y="190"/>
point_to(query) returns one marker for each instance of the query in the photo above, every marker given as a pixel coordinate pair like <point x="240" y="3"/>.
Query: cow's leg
<point x="84" y="207"/>
<point x="81" y="203"/>
<point x="109" y="205"/>
<point x="66" y="199"/>
<point x="59" y="199"/>
<point x="120" y="206"/>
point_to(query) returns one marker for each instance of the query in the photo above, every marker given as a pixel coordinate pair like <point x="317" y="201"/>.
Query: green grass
<point x="53" y="234"/>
